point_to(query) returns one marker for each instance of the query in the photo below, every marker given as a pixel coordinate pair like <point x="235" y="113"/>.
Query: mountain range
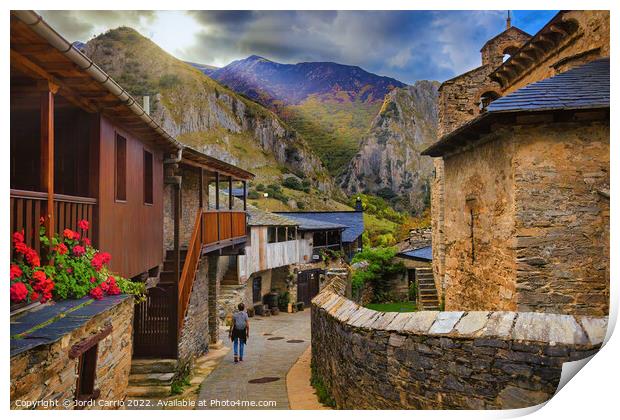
<point x="331" y="105"/>
<point x="339" y="127"/>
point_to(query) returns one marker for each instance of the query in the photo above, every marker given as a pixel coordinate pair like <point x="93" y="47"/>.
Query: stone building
<point x="521" y="195"/>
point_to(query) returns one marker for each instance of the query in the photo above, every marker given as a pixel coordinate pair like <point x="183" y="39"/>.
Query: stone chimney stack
<point x="358" y="204"/>
<point x="146" y="104"/>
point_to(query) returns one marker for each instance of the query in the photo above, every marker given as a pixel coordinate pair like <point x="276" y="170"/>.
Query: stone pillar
<point x="214" y="286"/>
<point x="438" y="226"/>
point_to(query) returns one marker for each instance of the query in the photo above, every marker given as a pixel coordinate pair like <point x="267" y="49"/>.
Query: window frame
<point x="87" y="374"/>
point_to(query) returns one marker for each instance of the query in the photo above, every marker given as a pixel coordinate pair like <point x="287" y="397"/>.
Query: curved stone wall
<point x="443" y="360"/>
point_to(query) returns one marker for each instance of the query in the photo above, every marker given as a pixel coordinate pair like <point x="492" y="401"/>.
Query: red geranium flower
<point x="61" y="249"/>
<point x="69" y="234"/>
<point x="19" y="292"/>
<point x="78" y="250"/>
<point x="18" y="237"/>
<point x="32" y="257"/>
<point x="83" y="224"/>
<point x="34" y="296"/>
<point x="96" y="293"/>
<point x="86" y="241"/>
<point x="105" y="286"/>
<point x="16" y="272"/>
<point x="99" y="259"/>
<point x="39" y="276"/>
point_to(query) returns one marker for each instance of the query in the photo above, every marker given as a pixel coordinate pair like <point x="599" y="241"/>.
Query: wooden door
<point x="308" y="285"/>
<point x="155" y="324"/>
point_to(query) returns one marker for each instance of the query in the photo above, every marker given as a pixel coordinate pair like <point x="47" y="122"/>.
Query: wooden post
<point x="230" y="193"/>
<point x="217" y="203"/>
<point x="217" y="190"/>
<point x="47" y="151"/>
<point x="245" y="193"/>
<point x="177" y="223"/>
<point x="200" y="183"/>
<point x="230" y="204"/>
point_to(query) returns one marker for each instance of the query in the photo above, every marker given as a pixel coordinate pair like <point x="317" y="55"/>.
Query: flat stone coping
<point x="46" y="324"/>
<point x="552" y="329"/>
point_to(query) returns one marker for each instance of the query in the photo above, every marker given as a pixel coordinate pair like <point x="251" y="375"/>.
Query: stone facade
<point x="506" y="43"/>
<point x="194" y="338"/>
<point x="48" y="373"/>
<point x="587" y="41"/>
<point x="443" y="360"/>
<point x="190" y="200"/>
<point x="519" y="222"/>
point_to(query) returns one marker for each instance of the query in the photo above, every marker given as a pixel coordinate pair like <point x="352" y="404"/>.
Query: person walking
<point x="239" y="332"/>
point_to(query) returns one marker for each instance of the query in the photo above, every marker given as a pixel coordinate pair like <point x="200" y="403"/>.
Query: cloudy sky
<point x="406" y="45"/>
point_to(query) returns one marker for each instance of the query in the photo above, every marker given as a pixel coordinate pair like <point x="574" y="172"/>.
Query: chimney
<point x="146" y="104"/>
<point x="358" y="204"/>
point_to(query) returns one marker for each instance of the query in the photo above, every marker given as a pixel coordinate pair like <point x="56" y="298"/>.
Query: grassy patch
<point x="180" y="383"/>
<point x="322" y="392"/>
<point x="393" y="307"/>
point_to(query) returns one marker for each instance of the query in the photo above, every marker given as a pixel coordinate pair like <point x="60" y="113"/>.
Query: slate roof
<point x="352" y="221"/>
<point x="311" y="224"/>
<point x="65" y="316"/>
<point x="260" y="217"/>
<point x="583" y="87"/>
<point x="586" y="86"/>
<point x="425" y="253"/>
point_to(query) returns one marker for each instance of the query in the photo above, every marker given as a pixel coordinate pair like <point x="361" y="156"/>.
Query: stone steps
<point x="154" y="365"/>
<point x="151" y="377"/>
<point x="428" y="299"/>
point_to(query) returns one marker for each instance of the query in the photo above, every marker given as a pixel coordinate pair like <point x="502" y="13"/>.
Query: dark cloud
<point x="407" y="45"/>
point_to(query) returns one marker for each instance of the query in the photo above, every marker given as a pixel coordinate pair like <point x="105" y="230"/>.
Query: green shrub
<point x="322" y="392"/>
<point x="292" y="183"/>
<point x="378" y="272"/>
<point x="253" y="195"/>
<point x="260" y="187"/>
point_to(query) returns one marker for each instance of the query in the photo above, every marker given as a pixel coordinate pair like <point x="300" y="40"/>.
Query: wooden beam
<point x="33" y="70"/>
<point x="47" y="156"/>
<point x="245" y="193"/>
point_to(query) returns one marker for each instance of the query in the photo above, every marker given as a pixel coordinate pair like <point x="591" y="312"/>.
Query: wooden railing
<point x="211" y="229"/>
<point x="27" y="208"/>
<point x="189" y="268"/>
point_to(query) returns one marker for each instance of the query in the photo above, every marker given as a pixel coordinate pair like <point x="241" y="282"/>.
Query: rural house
<point x="83" y="149"/>
<point x="521" y="195"/>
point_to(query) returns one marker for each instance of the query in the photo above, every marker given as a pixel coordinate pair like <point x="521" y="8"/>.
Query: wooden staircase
<point x="428" y="299"/>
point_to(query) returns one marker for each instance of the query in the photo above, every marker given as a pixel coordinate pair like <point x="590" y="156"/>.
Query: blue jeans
<point x="238" y="344"/>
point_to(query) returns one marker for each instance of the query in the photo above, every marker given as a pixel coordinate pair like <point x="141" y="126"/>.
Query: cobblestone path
<point x="266" y="356"/>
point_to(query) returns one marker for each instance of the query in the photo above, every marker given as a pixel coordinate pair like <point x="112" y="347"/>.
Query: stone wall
<point x="48" y="373"/>
<point x="438" y="225"/>
<point x="505" y="43"/>
<point x="443" y="360"/>
<point x="194" y="338"/>
<point x="459" y="98"/>
<point x="562" y="218"/>
<point x="480" y="261"/>
<point x="190" y="201"/>
<point x="588" y="43"/>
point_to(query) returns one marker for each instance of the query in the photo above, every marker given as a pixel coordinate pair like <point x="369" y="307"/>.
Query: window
<point x="333" y="237"/>
<point x="281" y="234"/>
<point x="291" y="233"/>
<point x="120" y="169"/>
<point x="319" y="239"/>
<point x="148" y="177"/>
<point x="271" y="235"/>
<point x="87" y="368"/>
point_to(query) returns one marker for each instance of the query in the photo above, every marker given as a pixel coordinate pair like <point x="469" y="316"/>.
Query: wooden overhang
<point x="558" y="29"/>
<point x="193" y="157"/>
<point x="39" y="53"/>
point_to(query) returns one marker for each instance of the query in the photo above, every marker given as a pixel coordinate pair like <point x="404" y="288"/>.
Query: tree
<point x="381" y="268"/>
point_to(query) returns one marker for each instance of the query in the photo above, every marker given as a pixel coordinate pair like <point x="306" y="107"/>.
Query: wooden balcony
<point x="222" y="228"/>
<point x="28" y="207"/>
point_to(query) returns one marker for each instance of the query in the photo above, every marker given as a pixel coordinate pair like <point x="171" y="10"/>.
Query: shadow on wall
<point x="443" y="360"/>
